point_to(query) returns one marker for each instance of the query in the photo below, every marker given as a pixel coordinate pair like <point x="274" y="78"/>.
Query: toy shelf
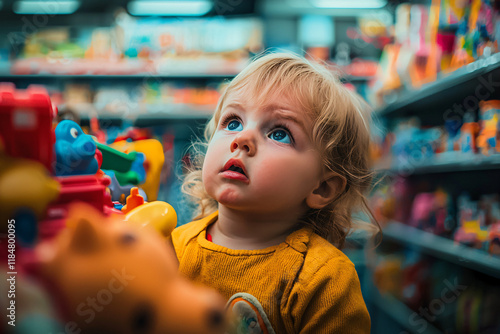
<point x="145" y="111"/>
<point x="190" y="68"/>
<point x="445" y="163"/>
<point x="5" y="75"/>
<point x="188" y="76"/>
<point x="447" y="89"/>
<point x="355" y="78"/>
<point x="186" y="126"/>
<point x="401" y="313"/>
<point x="443" y="248"/>
<point x="188" y="115"/>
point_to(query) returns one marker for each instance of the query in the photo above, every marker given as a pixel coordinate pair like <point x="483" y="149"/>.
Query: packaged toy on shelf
<point x="433" y="40"/>
<point x="391" y="200"/>
<point x="478" y="306"/>
<point x="488" y="139"/>
<point x="452" y="131"/>
<point x="494" y="239"/>
<point x="472" y="230"/>
<point x="387" y="275"/>
<point x="432" y="212"/>
<point x="415" y="282"/>
<point x="468" y="134"/>
<point x="413" y="144"/>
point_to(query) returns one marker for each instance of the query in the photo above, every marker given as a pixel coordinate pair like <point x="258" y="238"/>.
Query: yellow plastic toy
<point x="25" y="184"/>
<point x="153" y="150"/>
<point x="159" y="215"/>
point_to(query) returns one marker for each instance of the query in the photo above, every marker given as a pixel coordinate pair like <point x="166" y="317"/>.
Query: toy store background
<point x="138" y="69"/>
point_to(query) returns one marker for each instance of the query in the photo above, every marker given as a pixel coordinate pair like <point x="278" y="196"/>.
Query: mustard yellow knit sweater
<point x="304" y="285"/>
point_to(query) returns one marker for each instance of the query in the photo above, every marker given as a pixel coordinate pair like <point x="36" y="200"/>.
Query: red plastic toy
<point x="90" y="189"/>
<point x="26" y="123"/>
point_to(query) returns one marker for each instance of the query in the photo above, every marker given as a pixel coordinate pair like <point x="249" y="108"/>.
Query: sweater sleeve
<point x="330" y="301"/>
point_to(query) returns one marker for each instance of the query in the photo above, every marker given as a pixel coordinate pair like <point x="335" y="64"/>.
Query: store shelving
<point x="444" y="163"/>
<point x="200" y="67"/>
<point x="402" y="314"/>
<point x="178" y="119"/>
<point x="152" y="117"/>
<point x="141" y="111"/>
<point x="356" y="78"/>
<point x="149" y="120"/>
<point x="447" y="89"/>
<point x="443" y="248"/>
<point x="5" y="75"/>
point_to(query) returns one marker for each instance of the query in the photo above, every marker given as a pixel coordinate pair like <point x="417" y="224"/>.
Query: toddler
<point x="287" y="163"/>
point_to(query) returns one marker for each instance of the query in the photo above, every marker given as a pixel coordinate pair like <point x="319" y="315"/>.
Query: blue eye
<point x="234" y="125"/>
<point x="280" y="135"/>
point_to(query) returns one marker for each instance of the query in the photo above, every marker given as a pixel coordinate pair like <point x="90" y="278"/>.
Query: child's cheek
<point x="271" y="172"/>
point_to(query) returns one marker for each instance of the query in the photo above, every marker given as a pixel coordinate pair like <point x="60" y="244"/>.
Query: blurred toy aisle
<point x="101" y="100"/>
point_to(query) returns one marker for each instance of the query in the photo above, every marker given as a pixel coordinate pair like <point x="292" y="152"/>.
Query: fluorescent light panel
<point x="169" y="8"/>
<point x="349" y="3"/>
<point x="45" y="7"/>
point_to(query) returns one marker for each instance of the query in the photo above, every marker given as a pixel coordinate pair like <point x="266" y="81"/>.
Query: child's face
<point x="271" y="143"/>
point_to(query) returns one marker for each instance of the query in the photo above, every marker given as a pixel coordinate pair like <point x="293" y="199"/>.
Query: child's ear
<point x="327" y="191"/>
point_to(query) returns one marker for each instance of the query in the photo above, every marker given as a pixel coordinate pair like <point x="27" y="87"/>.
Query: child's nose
<point x="244" y="141"/>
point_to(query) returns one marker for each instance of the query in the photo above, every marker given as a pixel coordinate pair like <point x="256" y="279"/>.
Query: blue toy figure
<point x="75" y="151"/>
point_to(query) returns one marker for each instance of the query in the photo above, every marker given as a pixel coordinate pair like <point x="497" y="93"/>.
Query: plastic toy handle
<point x="159" y="215"/>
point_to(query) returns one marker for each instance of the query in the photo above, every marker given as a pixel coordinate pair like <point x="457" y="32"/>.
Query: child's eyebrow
<point x="282" y="112"/>
<point x="235" y="106"/>
<point x="285" y="113"/>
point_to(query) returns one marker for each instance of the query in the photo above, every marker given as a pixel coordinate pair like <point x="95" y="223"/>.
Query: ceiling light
<point x="169" y="8"/>
<point x="45" y="7"/>
<point x="349" y="3"/>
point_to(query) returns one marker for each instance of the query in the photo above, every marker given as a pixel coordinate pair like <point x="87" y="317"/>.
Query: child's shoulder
<point x="184" y="233"/>
<point x="196" y="226"/>
<point x="322" y="256"/>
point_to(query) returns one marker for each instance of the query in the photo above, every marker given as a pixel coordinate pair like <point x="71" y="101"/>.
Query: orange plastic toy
<point x="134" y="200"/>
<point x="114" y="277"/>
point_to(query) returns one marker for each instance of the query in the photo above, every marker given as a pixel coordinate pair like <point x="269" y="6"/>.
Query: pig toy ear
<point x="84" y="238"/>
<point x="82" y="220"/>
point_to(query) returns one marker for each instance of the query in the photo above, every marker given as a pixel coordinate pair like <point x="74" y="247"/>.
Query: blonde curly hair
<point x="340" y="132"/>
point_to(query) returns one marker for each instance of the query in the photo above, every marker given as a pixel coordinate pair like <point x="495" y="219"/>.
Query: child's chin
<point x="230" y="198"/>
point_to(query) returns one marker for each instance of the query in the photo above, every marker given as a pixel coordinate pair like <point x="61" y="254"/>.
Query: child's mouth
<point x="235" y="170"/>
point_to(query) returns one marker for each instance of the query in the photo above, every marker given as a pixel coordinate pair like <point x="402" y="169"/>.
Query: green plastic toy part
<point x="115" y="160"/>
<point x="130" y="177"/>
